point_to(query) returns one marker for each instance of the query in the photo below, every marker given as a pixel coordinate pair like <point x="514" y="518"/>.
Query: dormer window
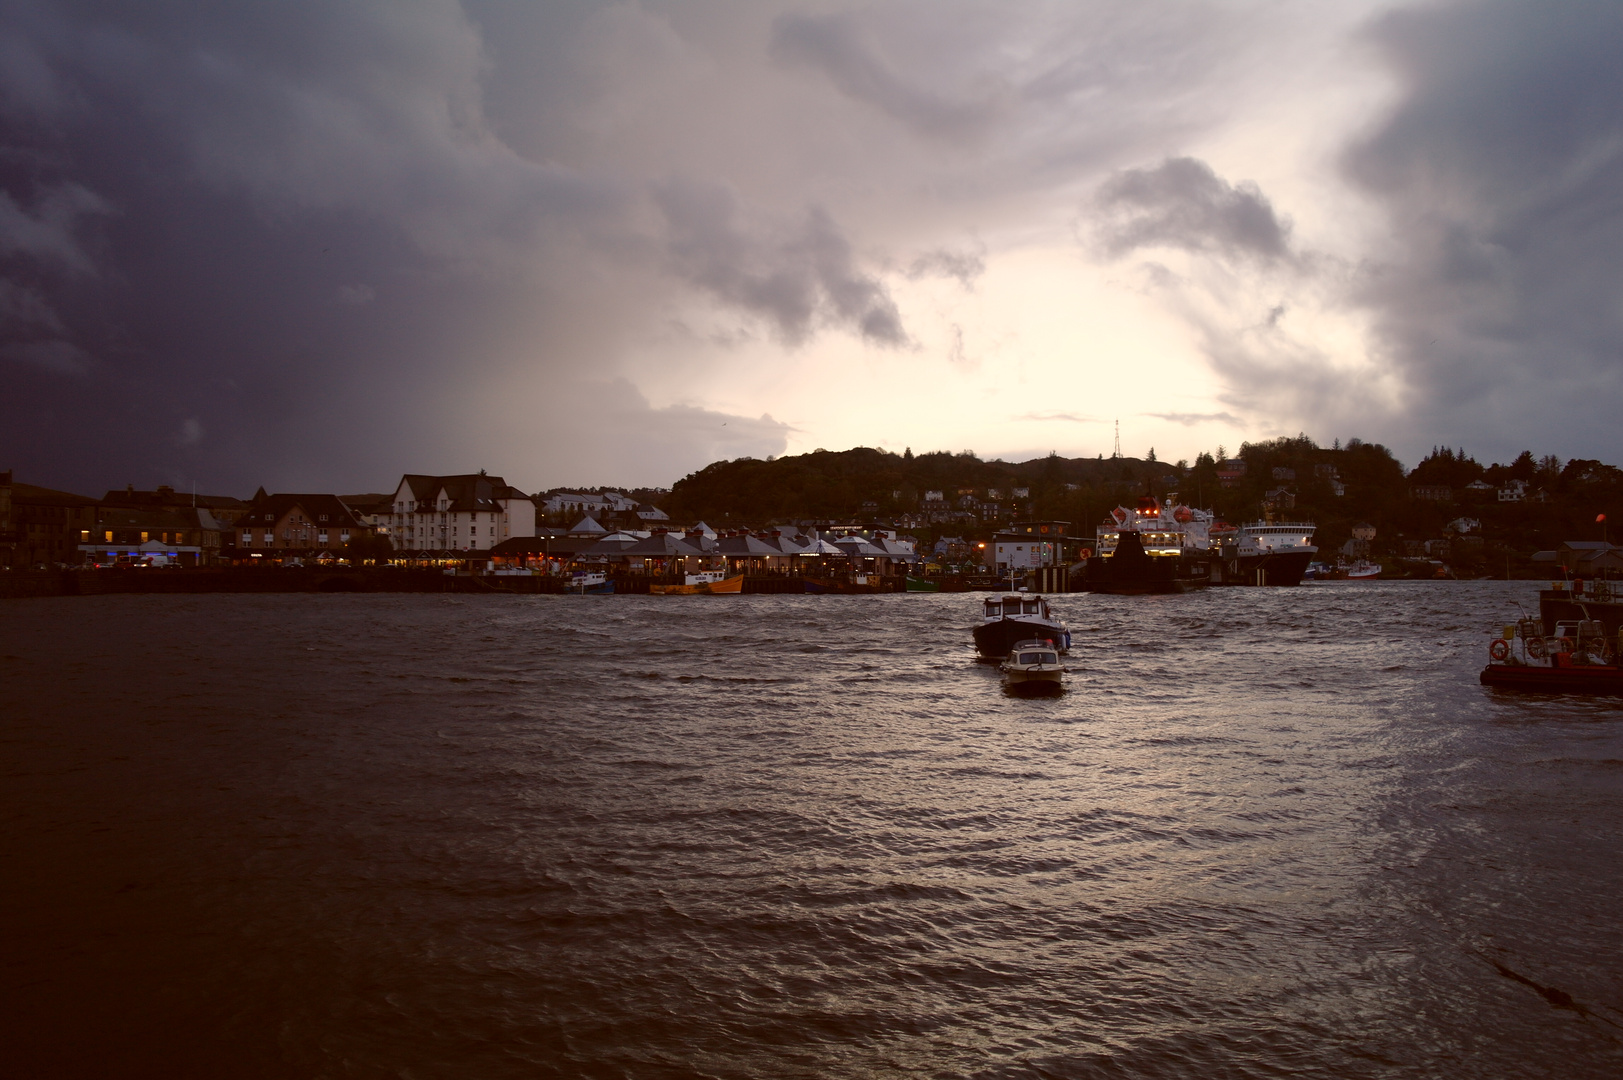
<point x="321" y="517"/>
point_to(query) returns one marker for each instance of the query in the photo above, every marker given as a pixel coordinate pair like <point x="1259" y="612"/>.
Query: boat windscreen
<point x="1031" y="607"/>
<point x="1039" y="658"/>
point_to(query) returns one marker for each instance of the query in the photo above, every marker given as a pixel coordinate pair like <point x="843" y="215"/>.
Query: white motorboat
<point x="1033" y="665"/>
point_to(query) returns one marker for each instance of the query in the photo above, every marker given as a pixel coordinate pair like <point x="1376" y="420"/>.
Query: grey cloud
<point x="23" y="308"/>
<point x="1064" y="417"/>
<point x="798" y="279"/>
<point x="49" y="232"/>
<point x="1501" y="174"/>
<point x="53" y="355"/>
<point x="654" y="445"/>
<point x="190" y="432"/>
<point x="1183" y="204"/>
<point x="1191" y="419"/>
<point x="962" y="266"/>
<point x="834" y="45"/>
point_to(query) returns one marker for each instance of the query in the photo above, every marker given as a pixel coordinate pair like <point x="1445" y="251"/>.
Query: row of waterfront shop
<point x="699" y="552"/>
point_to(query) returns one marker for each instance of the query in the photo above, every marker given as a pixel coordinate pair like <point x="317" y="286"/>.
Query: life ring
<point x="1563" y="644"/>
<point x="1499" y="649"/>
<point x="1535" y="647"/>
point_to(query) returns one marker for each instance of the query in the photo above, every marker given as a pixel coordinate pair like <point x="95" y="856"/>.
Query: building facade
<point x="41" y="526"/>
<point x="468" y="513"/>
<point x="288" y="525"/>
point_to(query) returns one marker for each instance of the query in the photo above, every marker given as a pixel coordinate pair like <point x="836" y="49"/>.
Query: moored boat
<point x="1014" y="617"/>
<point x="709" y="583"/>
<point x="1153" y="548"/>
<point x="1268" y="553"/>
<point x="1580" y="657"/>
<point x="1034" y="666"/>
<point x="587" y="583"/>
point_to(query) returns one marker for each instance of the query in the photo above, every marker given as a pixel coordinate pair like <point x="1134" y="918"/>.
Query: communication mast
<point x="1117" y="452"/>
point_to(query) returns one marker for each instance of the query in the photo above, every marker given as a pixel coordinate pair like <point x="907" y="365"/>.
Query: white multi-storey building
<point x="458" y="513"/>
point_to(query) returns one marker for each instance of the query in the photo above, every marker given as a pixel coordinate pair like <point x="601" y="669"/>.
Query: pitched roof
<point x="745" y="545"/>
<point x="29" y="493"/>
<point x="662" y="546"/>
<point x="271" y="508"/>
<point x="555" y="546"/>
<point x="466" y="491"/>
<point x="169" y="497"/>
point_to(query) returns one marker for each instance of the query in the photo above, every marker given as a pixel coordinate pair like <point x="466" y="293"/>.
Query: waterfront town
<point x="861" y="519"/>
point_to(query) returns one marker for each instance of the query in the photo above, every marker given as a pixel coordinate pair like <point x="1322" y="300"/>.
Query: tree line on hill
<point x="1335" y="487"/>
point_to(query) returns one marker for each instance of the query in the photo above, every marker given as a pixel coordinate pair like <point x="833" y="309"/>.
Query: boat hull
<point x="1589" y="679"/>
<point x="996" y="640"/>
<point x="1274" y="568"/>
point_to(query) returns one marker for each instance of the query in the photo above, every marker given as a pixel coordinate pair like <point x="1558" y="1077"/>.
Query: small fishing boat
<point x="921" y="585"/>
<point x="1015" y="617"/>
<point x="1579" y="658"/>
<point x="1033" y="666"/>
<point x="706" y="583"/>
<point x="586" y="583"/>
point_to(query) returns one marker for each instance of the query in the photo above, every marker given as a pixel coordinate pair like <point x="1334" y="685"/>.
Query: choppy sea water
<point x="1267" y="832"/>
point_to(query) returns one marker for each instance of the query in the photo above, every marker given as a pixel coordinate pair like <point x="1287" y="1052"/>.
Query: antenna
<point x="1117" y="452"/>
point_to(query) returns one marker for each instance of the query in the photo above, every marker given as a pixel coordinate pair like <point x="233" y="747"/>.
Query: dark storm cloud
<point x="279" y="244"/>
<point x="798" y="279"/>
<point x="1183" y="204"/>
<point x="835" y="46"/>
<point x="1501" y="175"/>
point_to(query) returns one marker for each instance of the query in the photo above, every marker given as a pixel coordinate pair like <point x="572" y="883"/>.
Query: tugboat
<point x="1580" y="657"/>
<point x="1033" y="667"/>
<point x="1012" y="618"/>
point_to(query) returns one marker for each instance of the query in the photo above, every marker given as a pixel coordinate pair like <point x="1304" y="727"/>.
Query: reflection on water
<point x="1263" y="832"/>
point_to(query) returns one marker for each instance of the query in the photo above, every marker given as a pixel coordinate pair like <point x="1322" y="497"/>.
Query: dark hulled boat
<point x="1012" y="618"/>
<point x="1130" y="570"/>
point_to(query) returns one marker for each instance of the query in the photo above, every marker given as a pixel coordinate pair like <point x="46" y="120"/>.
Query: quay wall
<point x="41" y="583"/>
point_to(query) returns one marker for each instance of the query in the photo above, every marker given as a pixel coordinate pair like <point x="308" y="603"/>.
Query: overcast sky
<point x="316" y="245"/>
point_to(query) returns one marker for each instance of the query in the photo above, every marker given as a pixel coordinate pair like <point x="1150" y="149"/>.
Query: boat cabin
<point x="1030" y="655"/>
<point x="1014" y="605"/>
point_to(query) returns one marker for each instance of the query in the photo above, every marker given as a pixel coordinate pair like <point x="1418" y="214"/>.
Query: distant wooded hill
<point x="1335" y="487"/>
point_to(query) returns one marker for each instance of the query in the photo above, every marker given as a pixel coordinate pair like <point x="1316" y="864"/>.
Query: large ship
<point x="1154" y="547"/>
<point x="1264" y="553"/>
<point x="1184" y="548"/>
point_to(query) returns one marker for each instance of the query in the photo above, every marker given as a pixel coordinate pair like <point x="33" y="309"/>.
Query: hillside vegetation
<point x="865" y="484"/>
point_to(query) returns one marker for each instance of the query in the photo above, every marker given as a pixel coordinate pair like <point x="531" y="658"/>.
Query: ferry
<point x="1154" y="547"/>
<point x="1267" y="553"/>
<point x="1011" y="618"/>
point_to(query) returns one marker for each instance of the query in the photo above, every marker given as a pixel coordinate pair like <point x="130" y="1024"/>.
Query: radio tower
<point x="1117" y="452"/>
